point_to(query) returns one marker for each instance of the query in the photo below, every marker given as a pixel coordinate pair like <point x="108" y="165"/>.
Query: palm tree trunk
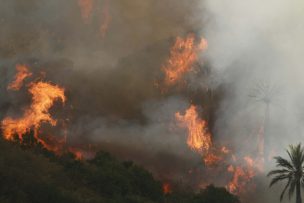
<point x="266" y="149"/>
<point x="298" y="195"/>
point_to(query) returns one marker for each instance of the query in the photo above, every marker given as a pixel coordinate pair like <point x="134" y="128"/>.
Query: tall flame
<point x="199" y="139"/>
<point x="183" y="54"/>
<point x="86" y="7"/>
<point x="22" y="73"/>
<point x="43" y="97"/>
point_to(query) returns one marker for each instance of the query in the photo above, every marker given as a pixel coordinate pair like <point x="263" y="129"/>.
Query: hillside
<point x="29" y="173"/>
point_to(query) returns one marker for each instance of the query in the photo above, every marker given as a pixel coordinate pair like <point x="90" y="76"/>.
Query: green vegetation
<point x="290" y="170"/>
<point x="34" y="175"/>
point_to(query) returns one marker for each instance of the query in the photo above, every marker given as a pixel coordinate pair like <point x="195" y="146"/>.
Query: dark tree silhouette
<point x="290" y="170"/>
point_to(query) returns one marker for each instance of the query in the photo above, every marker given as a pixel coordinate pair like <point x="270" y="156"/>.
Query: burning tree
<point x="183" y="55"/>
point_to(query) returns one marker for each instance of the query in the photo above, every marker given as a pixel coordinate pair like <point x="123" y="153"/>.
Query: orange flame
<point x="212" y="159"/>
<point x="43" y="97"/>
<point x="52" y="143"/>
<point x="86" y="7"/>
<point x="242" y="175"/>
<point x="105" y="21"/>
<point x="199" y="139"/>
<point x="183" y="55"/>
<point x="77" y="153"/>
<point x="22" y="74"/>
<point x="167" y="188"/>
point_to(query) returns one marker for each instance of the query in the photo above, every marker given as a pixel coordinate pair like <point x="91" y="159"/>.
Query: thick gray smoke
<point x="113" y="101"/>
<point x="253" y="43"/>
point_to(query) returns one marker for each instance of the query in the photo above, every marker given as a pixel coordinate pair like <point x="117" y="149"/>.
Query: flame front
<point x="199" y="139"/>
<point x="43" y="97"/>
<point x="211" y="159"/>
<point x="86" y="7"/>
<point x="242" y="175"/>
<point x="183" y="55"/>
<point x="22" y="73"/>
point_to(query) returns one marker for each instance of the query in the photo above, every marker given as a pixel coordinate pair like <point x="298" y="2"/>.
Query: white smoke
<point x="254" y="42"/>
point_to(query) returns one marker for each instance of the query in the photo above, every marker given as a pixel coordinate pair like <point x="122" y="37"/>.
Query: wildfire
<point x="77" y="153"/>
<point x="212" y="159"/>
<point x="22" y="73"/>
<point x="52" y="143"/>
<point x="43" y="97"/>
<point x="86" y="7"/>
<point x="106" y="18"/>
<point x="242" y="175"/>
<point x="183" y="54"/>
<point x="199" y="139"/>
<point x="166" y="188"/>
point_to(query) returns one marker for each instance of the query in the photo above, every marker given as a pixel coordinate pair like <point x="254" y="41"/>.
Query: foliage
<point x="31" y="174"/>
<point x="291" y="171"/>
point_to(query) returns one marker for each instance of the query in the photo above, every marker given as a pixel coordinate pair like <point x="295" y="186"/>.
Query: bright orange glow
<point x="22" y="74"/>
<point x="77" y="153"/>
<point x="52" y="143"/>
<point x="199" y="138"/>
<point x="86" y="7"/>
<point x="234" y="185"/>
<point x="212" y="159"/>
<point x="183" y="55"/>
<point x="106" y="18"/>
<point x="167" y="188"/>
<point x="242" y="175"/>
<point x="43" y="97"/>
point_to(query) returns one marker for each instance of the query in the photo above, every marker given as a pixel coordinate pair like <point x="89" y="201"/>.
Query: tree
<point x="267" y="94"/>
<point x="290" y="170"/>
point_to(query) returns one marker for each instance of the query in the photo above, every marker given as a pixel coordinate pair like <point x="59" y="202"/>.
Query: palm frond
<point x="278" y="178"/>
<point x="279" y="171"/>
<point x="281" y="162"/>
<point x="292" y="188"/>
<point x="285" y="188"/>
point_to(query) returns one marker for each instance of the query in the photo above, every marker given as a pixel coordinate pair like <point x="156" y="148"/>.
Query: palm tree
<point x="267" y="94"/>
<point x="291" y="170"/>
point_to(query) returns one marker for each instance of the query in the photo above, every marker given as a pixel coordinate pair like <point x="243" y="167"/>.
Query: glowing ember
<point x="199" y="139"/>
<point x="167" y="188"/>
<point x="22" y="74"/>
<point x="86" y="7"/>
<point x="234" y="186"/>
<point x="105" y="21"/>
<point x="212" y="159"/>
<point x="43" y="97"/>
<point x="52" y="143"/>
<point x="183" y="55"/>
<point x="242" y="176"/>
<point x="77" y="153"/>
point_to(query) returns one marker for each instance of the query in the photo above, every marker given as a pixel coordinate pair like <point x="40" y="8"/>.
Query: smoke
<point x="112" y="99"/>
<point x="254" y="42"/>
